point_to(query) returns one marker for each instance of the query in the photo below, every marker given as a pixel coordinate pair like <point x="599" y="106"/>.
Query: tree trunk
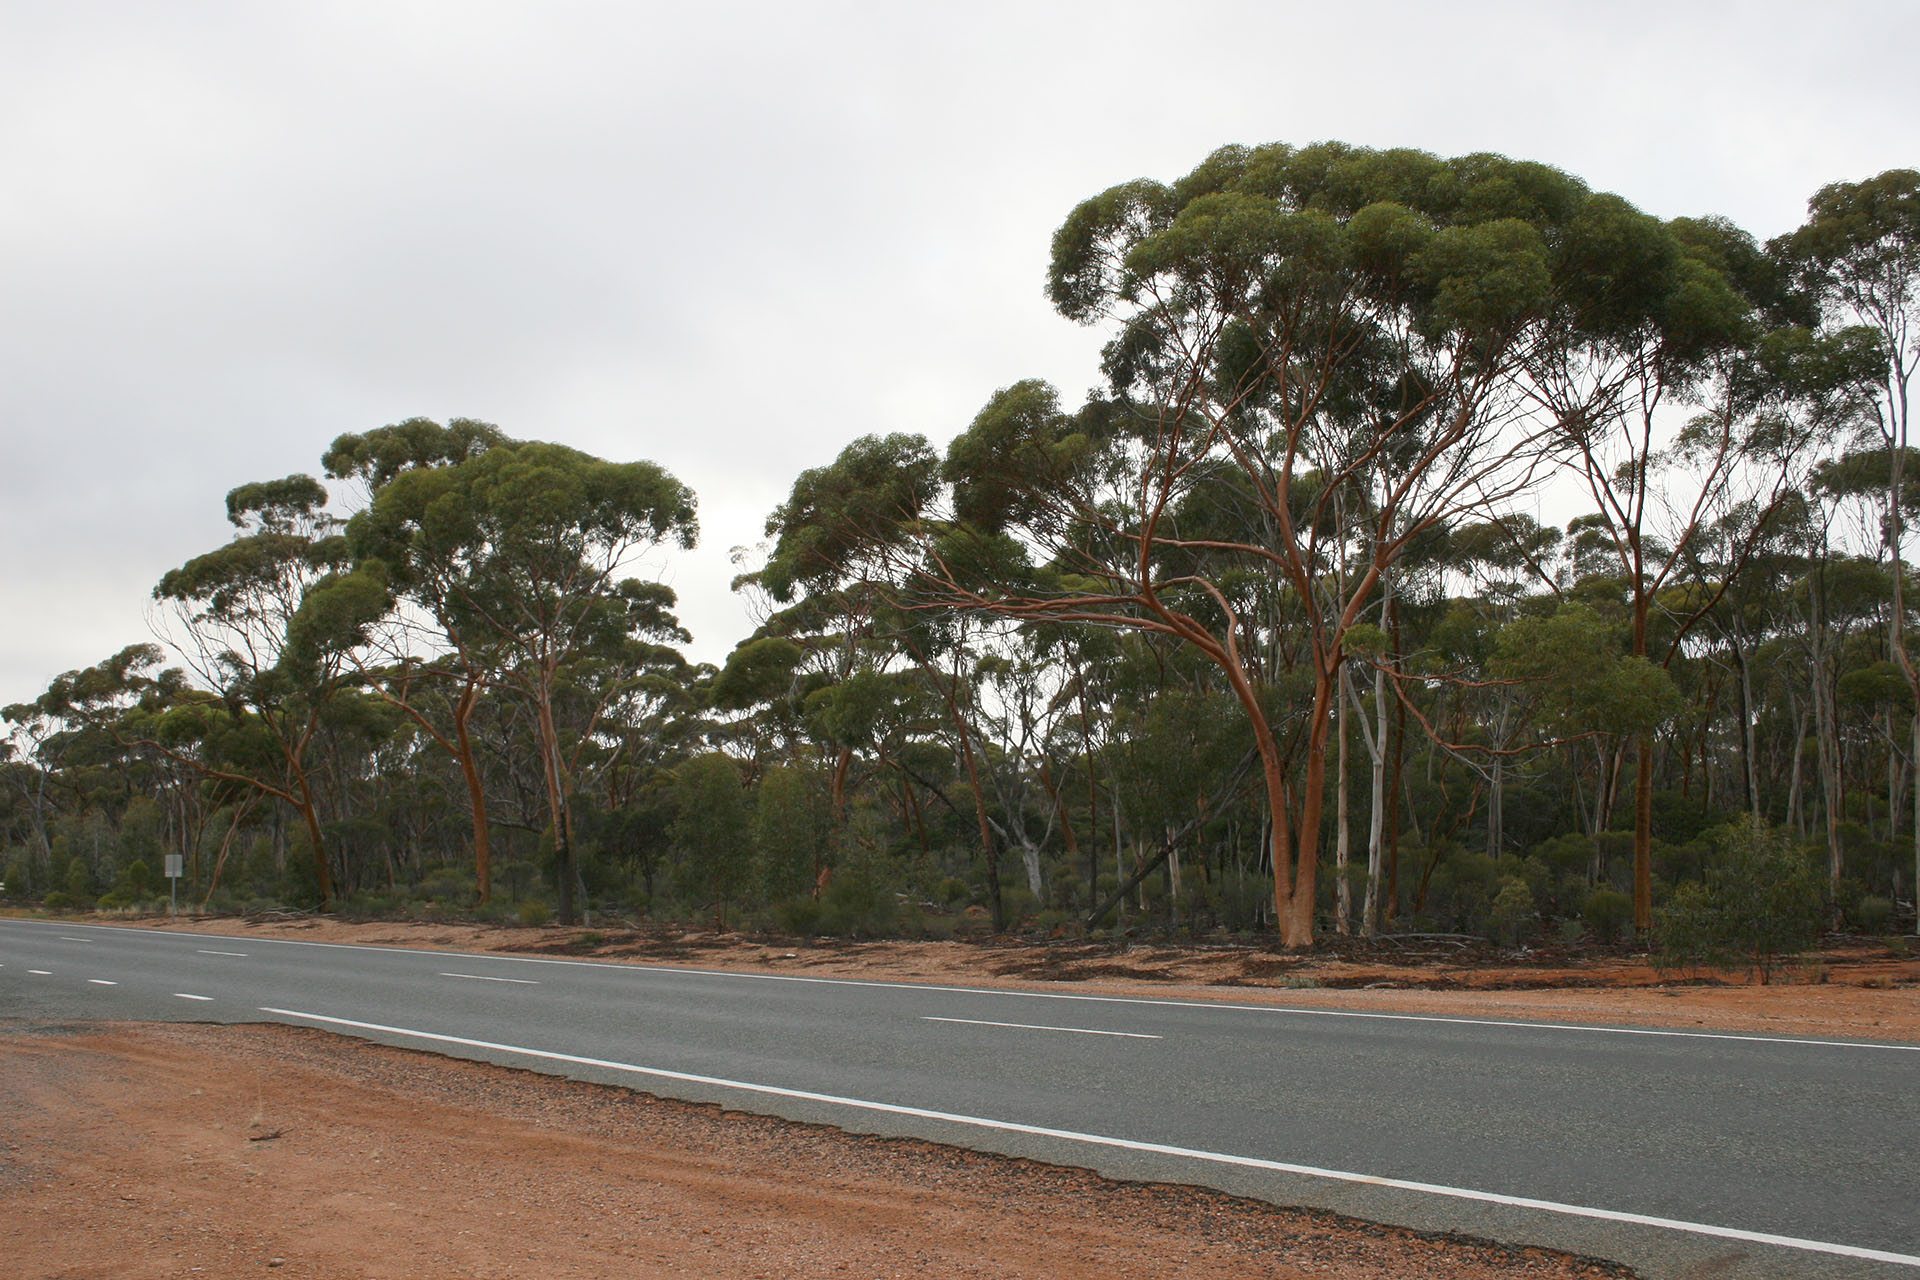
<point x="1297" y="904"/>
<point x="1377" y="809"/>
<point x="1643" y="838"/>
<point x="1829" y="756"/>
<point x="1749" y="747"/>
<point x="476" y="793"/>
<point x="565" y="874"/>
<point x="989" y="848"/>
<point x="1342" y="847"/>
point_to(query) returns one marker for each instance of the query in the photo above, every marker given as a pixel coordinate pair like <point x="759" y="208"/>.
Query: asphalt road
<point x="1680" y="1153"/>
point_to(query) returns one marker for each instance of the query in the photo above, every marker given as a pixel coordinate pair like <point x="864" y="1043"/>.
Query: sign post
<point x="174" y="871"/>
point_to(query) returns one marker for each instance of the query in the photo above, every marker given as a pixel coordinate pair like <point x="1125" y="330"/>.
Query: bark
<point x="476" y="792"/>
<point x="989" y="848"/>
<point x="1342" y="849"/>
<point x="565" y="873"/>
<point x="1295" y="905"/>
<point x="1643" y="837"/>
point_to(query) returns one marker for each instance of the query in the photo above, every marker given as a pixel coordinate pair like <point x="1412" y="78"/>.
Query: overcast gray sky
<point x="726" y="237"/>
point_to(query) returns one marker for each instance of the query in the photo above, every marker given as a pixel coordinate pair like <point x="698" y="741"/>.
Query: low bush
<point x="1871" y="914"/>
<point x="1607" y="913"/>
<point x="1512" y="918"/>
<point x="1761" y="905"/>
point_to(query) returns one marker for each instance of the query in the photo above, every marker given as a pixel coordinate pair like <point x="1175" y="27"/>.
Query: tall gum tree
<point x="236" y="608"/>
<point x="521" y="553"/>
<point x="1859" y="254"/>
<point x="839" y="544"/>
<point x="1324" y="340"/>
<point x="415" y="659"/>
<point x="1681" y="398"/>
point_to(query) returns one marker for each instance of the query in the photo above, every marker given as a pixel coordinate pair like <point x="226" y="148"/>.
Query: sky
<point x="729" y="237"/>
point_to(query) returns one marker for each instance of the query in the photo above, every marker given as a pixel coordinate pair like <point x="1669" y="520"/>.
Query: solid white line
<point x="481" y="977"/>
<point x="1130" y="1144"/>
<point x="1032" y="1026"/>
<point x="200" y="951"/>
<point x="1147" y="1001"/>
<point x="181" y="995"/>
<point x="103" y="982"/>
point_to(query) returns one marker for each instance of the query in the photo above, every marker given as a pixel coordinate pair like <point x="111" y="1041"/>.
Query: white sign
<point x="174" y="868"/>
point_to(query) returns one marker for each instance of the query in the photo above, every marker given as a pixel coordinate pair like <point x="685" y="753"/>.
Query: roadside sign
<point x="174" y="868"/>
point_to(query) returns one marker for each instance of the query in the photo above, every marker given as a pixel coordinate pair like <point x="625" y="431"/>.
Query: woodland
<point x="1448" y="548"/>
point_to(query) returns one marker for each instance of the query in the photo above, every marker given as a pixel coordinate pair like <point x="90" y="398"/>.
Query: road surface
<point x="1676" y="1152"/>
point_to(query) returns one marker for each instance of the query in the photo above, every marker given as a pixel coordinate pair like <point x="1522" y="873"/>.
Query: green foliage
<point x="789" y="832"/>
<point x="799" y="917"/>
<point x="713" y="832"/>
<point x="1871" y="914"/>
<point x="1761" y="905"/>
<point x="1583" y="682"/>
<point x="533" y="913"/>
<point x="1607" y="912"/>
<point x="836" y="514"/>
<point x="859" y="902"/>
<point x="79" y="881"/>
<point x="450" y="886"/>
<point x="1512" y="918"/>
<point x="138" y="878"/>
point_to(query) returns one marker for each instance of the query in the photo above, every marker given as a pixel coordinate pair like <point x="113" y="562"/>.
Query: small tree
<point x="787" y="831"/>
<point x="1760" y="906"/>
<point x="714" y="830"/>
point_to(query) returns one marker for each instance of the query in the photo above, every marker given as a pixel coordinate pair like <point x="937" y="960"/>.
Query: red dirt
<point x="148" y="1151"/>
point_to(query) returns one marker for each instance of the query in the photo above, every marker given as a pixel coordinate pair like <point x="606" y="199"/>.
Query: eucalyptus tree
<point x="1668" y="374"/>
<point x="438" y="684"/>
<point x="1333" y="333"/>
<point x="236" y="610"/>
<point x="1859" y="255"/>
<point x="76" y="728"/>
<point x="839" y="571"/>
<point x="519" y="553"/>
<point x="713" y="831"/>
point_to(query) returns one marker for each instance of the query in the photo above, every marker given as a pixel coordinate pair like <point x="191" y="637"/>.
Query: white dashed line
<point x="181" y="995"/>
<point x="67" y="937"/>
<point x="103" y="982"/>
<point x="220" y="953"/>
<point x="1034" y="1026"/>
<point x="45" y="973"/>
<point x="481" y="977"/>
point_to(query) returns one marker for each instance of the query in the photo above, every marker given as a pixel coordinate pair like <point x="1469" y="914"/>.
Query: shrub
<point x="859" y="901"/>
<point x="1512" y="916"/>
<point x="533" y="913"/>
<point x="799" y="917"/>
<point x="58" y="900"/>
<point x="450" y="885"/>
<point x="1872" y="913"/>
<point x="1761" y="905"/>
<point x="138" y="879"/>
<point x="1607" y="912"/>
